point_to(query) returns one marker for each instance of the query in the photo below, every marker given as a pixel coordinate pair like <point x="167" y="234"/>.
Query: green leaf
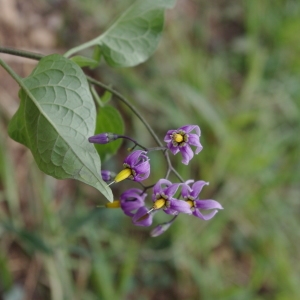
<point x="109" y="120"/>
<point x="55" y="118"/>
<point x="83" y="61"/>
<point x="133" y="38"/>
<point x="105" y="98"/>
<point x="97" y="54"/>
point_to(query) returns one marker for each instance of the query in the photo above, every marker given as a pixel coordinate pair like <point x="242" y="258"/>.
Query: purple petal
<point x="194" y="140"/>
<point x="187" y="154"/>
<point x="131" y="205"/>
<point x="185" y="190"/>
<point x="197" y="188"/>
<point x="198" y="214"/>
<point x="142" y="168"/>
<point x="189" y="128"/>
<point x="207" y="204"/>
<point x="133" y="157"/>
<point x="180" y="206"/>
<point x="141" y="218"/>
<point x="142" y="176"/>
<point x="170" y="211"/>
<point x="172" y="148"/>
<point x="157" y="189"/>
<point x="168" y="136"/>
<point x="171" y="190"/>
<point x="132" y="193"/>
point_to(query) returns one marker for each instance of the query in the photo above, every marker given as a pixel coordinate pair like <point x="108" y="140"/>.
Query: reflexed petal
<point x="189" y="128"/>
<point x="194" y="141"/>
<point x="171" y="190"/>
<point x="172" y="148"/>
<point x="133" y="193"/>
<point x="168" y="136"/>
<point x="187" y="154"/>
<point x="208" y="204"/>
<point x="186" y="189"/>
<point x="197" y="188"/>
<point x="180" y="206"/>
<point x="132" y="205"/>
<point x="131" y="200"/>
<point x="142" y="168"/>
<point x="157" y="189"/>
<point x="142" y="176"/>
<point x="133" y="157"/>
<point x="141" y="218"/>
<point x="206" y="217"/>
<point x="170" y="211"/>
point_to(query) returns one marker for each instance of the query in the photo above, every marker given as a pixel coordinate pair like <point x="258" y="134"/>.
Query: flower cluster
<point x="171" y="198"/>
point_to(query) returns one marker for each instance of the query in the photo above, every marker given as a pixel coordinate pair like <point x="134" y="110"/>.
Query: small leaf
<point x="109" y="120"/>
<point x="97" y="54"/>
<point x="133" y="38"/>
<point x="55" y="118"/>
<point x="106" y="97"/>
<point x="83" y="61"/>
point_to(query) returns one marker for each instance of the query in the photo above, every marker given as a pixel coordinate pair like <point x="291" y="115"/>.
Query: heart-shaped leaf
<point x="134" y="36"/>
<point x="55" y="118"/>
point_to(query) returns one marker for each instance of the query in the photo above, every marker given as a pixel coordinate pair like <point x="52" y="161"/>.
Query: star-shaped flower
<point x="181" y="139"/>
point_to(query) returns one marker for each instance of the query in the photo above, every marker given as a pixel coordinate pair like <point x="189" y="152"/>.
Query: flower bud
<point x="107" y="175"/>
<point x="160" y="229"/>
<point x="103" y="138"/>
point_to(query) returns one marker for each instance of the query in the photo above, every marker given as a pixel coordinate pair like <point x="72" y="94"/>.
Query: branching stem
<point x="37" y="56"/>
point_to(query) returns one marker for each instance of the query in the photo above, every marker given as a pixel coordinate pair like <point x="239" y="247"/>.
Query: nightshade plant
<point x="57" y="120"/>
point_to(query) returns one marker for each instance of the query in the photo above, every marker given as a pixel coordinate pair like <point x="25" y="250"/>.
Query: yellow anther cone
<point x="114" y="204"/>
<point x="178" y="138"/>
<point x="123" y="175"/>
<point x="159" y="203"/>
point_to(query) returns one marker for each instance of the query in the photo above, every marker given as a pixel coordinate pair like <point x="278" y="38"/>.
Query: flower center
<point x="190" y="202"/>
<point x="123" y="175"/>
<point x="114" y="204"/>
<point x="159" y="203"/>
<point x="178" y="138"/>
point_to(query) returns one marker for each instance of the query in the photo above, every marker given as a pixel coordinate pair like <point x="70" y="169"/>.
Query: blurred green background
<point x="233" y="68"/>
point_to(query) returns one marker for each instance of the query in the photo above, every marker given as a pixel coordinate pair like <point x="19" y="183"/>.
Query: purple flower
<point x="131" y="200"/>
<point x="107" y="175"/>
<point x="181" y="140"/>
<point x="141" y="217"/>
<point x="132" y="203"/>
<point x="190" y="195"/>
<point x="103" y="138"/>
<point x="163" y="192"/>
<point x="136" y="167"/>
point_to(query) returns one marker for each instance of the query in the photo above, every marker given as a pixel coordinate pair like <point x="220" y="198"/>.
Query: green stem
<point x="37" y="56"/>
<point x="133" y="109"/>
<point x="136" y="112"/>
<point x="96" y="96"/>
<point x="22" y="53"/>
<point x="88" y="44"/>
<point x="11" y="72"/>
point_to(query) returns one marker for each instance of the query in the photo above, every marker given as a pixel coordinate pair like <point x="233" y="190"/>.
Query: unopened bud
<point x="107" y="175"/>
<point x="103" y="138"/>
<point x="160" y="229"/>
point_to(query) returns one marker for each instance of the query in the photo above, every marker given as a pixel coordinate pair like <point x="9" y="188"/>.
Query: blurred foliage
<point x="233" y="68"/>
